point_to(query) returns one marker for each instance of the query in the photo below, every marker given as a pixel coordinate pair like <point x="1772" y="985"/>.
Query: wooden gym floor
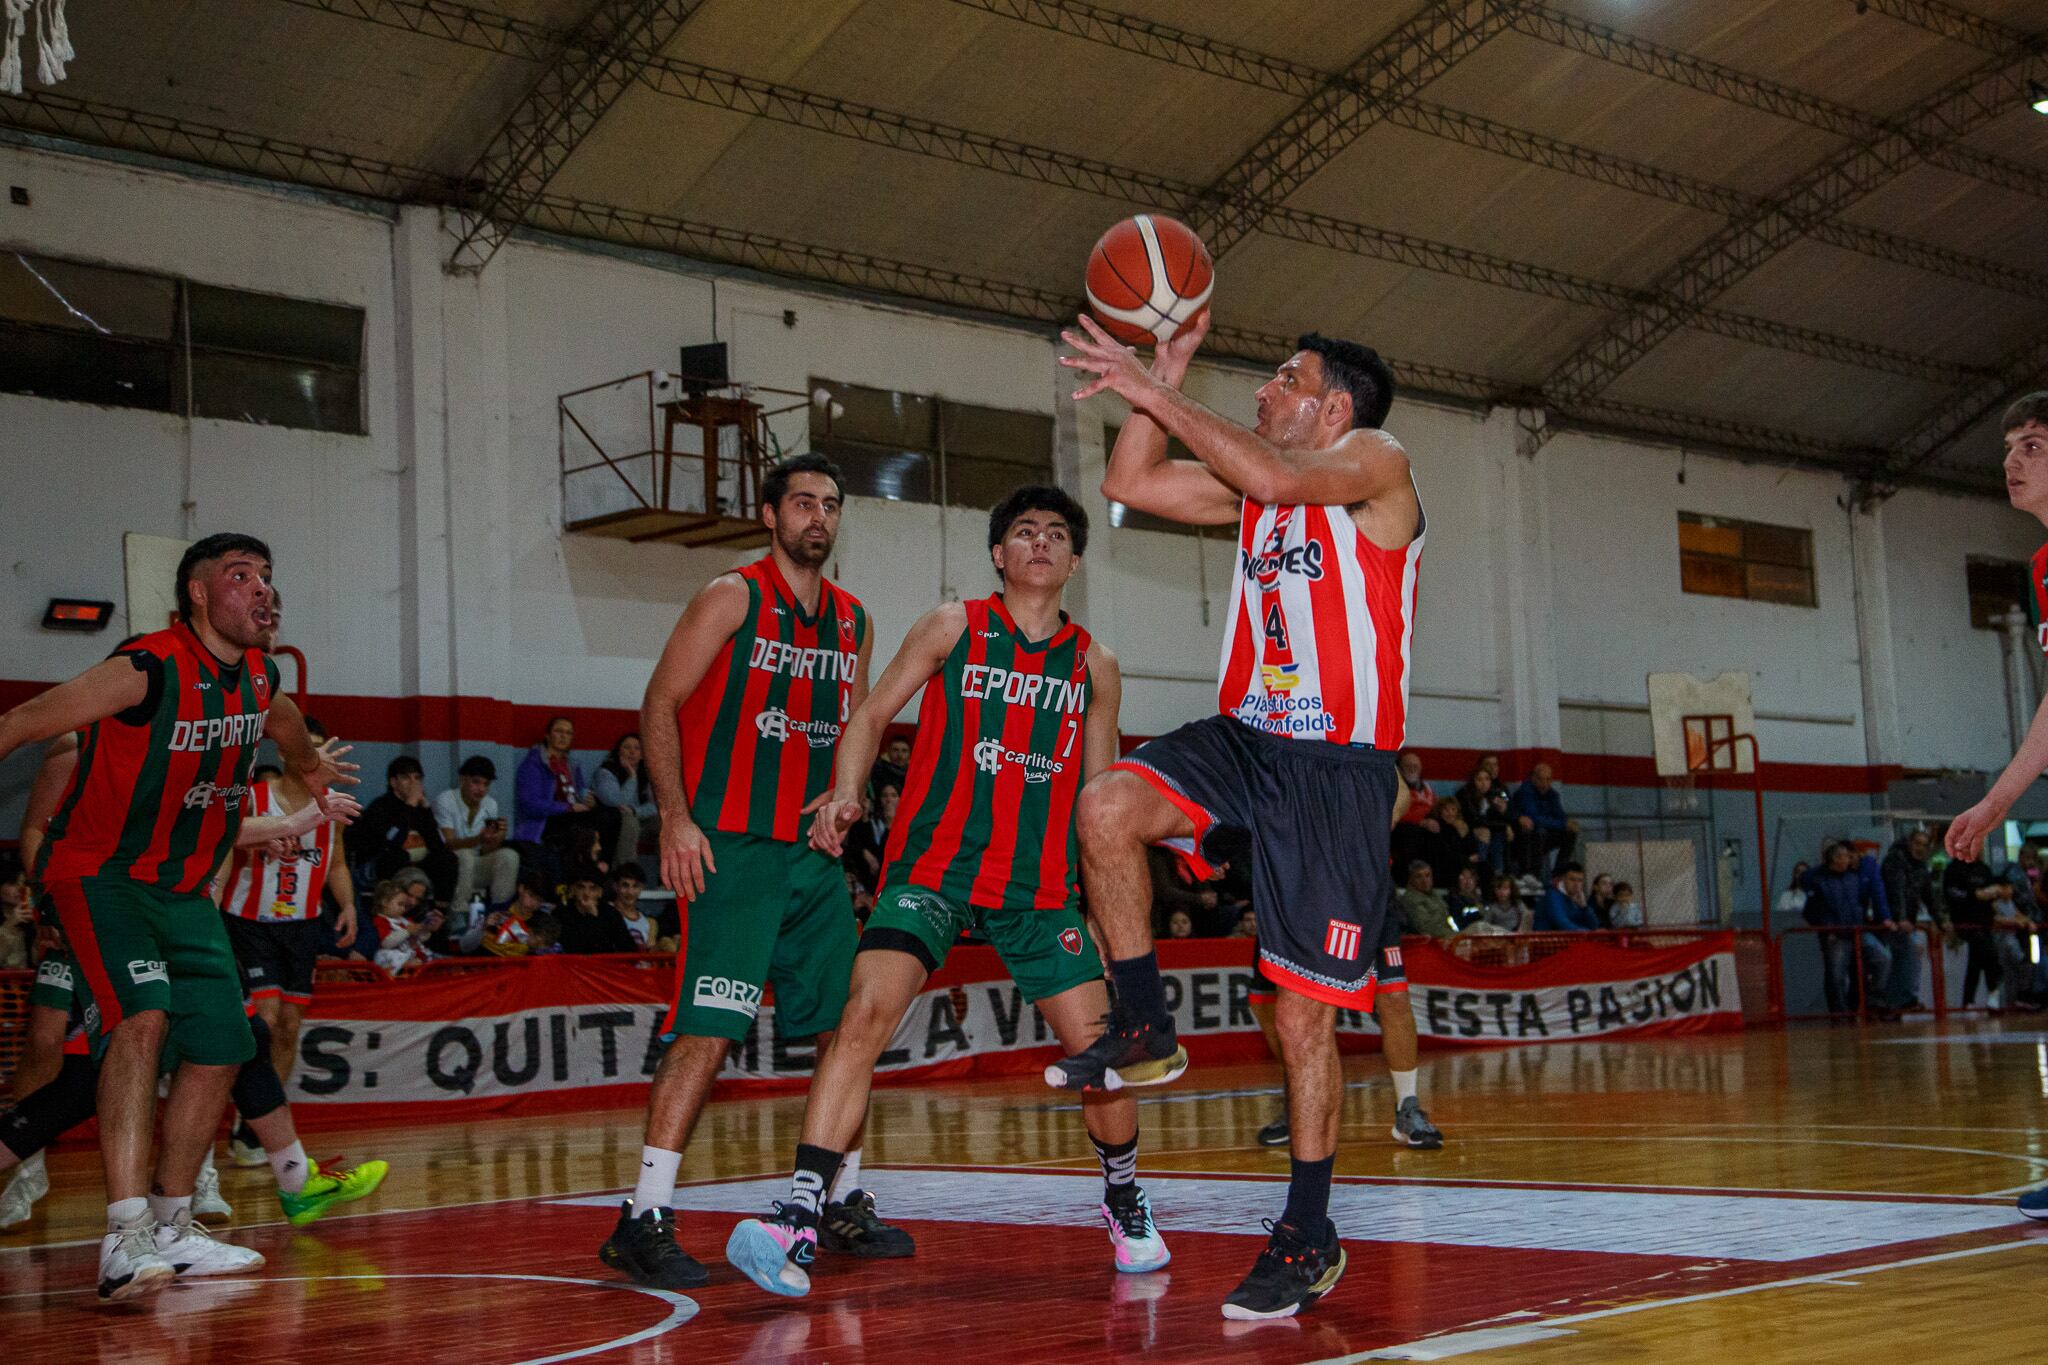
<point x="1814" y="1194"/>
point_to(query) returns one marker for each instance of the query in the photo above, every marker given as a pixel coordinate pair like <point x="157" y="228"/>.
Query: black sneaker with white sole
<point x="1275" y="1134"/>
<point x="1129" y="1052"/>
<point x="1412" y="1127"/>
<point x="1290" y="1274"/>
<point x="643" y="1249"/>
<point x="851" y="1227"/>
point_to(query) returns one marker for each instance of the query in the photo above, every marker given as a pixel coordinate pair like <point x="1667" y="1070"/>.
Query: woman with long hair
<point x="621" y="785"/>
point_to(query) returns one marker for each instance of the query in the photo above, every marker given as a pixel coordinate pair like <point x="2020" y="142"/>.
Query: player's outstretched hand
<point x="332" y="770"/>
<point x="1114" y="364"/>
<point x="1171" y="358"/>
<point x="685" y="858"/>
<point x="1966" y="832"/>
<point x="828" y="831"/>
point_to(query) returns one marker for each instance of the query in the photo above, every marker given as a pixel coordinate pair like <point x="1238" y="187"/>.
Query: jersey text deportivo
<point x="1316" y="643"/>
<point x="279" y="890"/>
<point x="161" y="788"/>
<point x="987" y="815"/>
<point x="760" y="730"/>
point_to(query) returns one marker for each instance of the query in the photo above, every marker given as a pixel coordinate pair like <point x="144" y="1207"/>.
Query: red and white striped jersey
<point x="278" y="890"/>
<point x="1316" y="644"/>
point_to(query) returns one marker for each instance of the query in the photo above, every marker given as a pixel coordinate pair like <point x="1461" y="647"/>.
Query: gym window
<point x="122" y="338"/>
<point x="911" y="447"/>
<point x="1997" y="586"/>
<point x="1722" y="557"/>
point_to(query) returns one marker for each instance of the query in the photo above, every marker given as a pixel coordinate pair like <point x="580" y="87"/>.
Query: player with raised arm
<point x="739" y="726"/>
<point x="172" y="724"/>
<point x="2026" y="486"/>
<point x="1313" y="709"/>
<point x="1020" y="704"/>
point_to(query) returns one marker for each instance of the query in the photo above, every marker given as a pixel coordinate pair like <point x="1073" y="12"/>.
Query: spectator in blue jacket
<point x="1845" y="897"/>
<point x="1541" y="826"/>
<point x="1564" y="908"/>
<point x="550" y="789"/>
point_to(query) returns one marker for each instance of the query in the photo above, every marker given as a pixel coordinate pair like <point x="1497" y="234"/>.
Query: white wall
<point x="427" y="557"/>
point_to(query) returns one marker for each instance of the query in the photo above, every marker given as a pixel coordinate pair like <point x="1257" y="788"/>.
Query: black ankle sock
<point x="816" y="1168"/>
<point x="1119" y="1166"/>
<point x="1308" y="1199"/>
<point x="1138" y="987"/>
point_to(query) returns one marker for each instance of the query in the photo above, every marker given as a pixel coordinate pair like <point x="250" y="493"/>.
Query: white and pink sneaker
<point x="1132" y="1233"/>
<point x="773" y="1252"/>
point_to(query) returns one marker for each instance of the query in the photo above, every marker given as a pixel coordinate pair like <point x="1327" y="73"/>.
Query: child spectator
<point x="626" y="887"/>
<point x="1503" y="911"/>
<point x="402" y="927"/>
<point x="587" y="924"/>
<point x="520" y="927"/>
<point x="1625" y="913"/>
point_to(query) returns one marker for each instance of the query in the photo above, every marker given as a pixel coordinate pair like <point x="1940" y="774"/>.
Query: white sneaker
<point x="192" y="1250"/>
<point x="129" y="1264"/>
<point x="1135" y="1238"/>
<point x="246" y="1153"/>
<point x="207" y="1204"/>
<point x="30" y="1183"/>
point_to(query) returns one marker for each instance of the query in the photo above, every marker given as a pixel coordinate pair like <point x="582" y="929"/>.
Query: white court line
<point x="681" y="1309"/>
<point x="2038" y="1163"/>
<point x="1487" y="1338"/>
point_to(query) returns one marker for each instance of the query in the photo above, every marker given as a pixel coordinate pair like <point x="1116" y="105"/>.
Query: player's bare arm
<point x="342" y="809"/>
<point x="1360" y="467"/>
<point x="713" y="617"/>
<point x="45" y="790"/>
<point x="321" y="767"/>
<point x="1967" y="831"/>
<point x="1140" y="475"/>
<point x="342" y="886"/>
<point x="924" y="652"/>
<point x="1100" y="737"/>
<point x="106" y="689"/>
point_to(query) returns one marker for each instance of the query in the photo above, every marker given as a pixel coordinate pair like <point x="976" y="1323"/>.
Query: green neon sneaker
<point x="326" y="1188"/>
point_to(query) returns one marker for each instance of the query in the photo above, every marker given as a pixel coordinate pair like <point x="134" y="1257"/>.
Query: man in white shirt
<point x="468" y="816"/>
<point x="627" y="884"/>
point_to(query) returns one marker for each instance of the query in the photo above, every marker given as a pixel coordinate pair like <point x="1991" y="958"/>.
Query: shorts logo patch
<point x="55" y="974"/>
<point x="724" y="993"/>
<point x="1070" y="939"/>
<point x="142" y="969"/>
<point x="1341" y="942"/>
<point x="1394" y="956"/>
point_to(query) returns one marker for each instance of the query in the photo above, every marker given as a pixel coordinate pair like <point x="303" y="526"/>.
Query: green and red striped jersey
<point x="760" y="730"/>
<point x="161" y="788"/>
<point x="987" y="814"/>
<point x="2037" y="600"/>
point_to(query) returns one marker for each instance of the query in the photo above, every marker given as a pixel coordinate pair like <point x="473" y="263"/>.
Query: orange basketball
<point x="1148" y="276"/>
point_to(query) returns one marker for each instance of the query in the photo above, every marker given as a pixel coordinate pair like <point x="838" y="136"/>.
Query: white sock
<point x="290" y="1167"/>
<point x="848" y="1179"/>
<point x="657" y="1187"/>
<point x="166" y="1206"/>
<point x="34" y="1163"/>
<point x="125" y="1211"/>
<point x="1404" y="1086"/>
<point x="206" y="1162"/>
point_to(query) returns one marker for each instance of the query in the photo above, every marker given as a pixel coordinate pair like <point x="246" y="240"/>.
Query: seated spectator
<point x="549" y="793"/>
<point x="1792" y="900"/>
<point x="1600" y="898"/>
<point x="627" y="884"/>
<point x="398" y="830"/>
<point x="1247" y="925"/>
<point x="621" y="785"/>
<point x="1485" y="806"/>
<point x="583" y="855"/>
<point x="869" y="837"/>
<point x="17" y="916"/>
<point x="1625" y="913"/>
<point x="1847" y="899"/>
<point x="402" y="926"/>
<point x="1421" y="800"/>
<point x="588" y="925"/>
<point x="894" y="764"/>
<point x="1174" y="891"/>
<point x="467" y="816"/>
<point x="520" y="927"/>
<point x="1541" y="826"/>
<point x="2011" y="930"/>
<point x="1180" y="925"/>
<point x="1421" y="905"/>
<point x="1451" y="845"/>
<point x="1503" y="911"/>
<point x="1464" y="898"/>
<point x="1564" y="908"/>
<point x="1909" y="891"/>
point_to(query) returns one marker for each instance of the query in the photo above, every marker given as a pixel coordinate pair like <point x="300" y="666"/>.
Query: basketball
<point x="1146" y="277"/>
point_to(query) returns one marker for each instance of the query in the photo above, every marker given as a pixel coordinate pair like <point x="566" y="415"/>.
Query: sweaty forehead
<point x="1305" y="366"/>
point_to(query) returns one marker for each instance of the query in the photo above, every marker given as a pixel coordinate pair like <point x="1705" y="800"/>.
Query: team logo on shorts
<point x="1341" y="942"/>
<point x="724" y="993"/>
<point x="1070" y="939"/>
<point x="1393" y="956"/>
<point x="55" y="974"/>
<point x="142" y="969"/>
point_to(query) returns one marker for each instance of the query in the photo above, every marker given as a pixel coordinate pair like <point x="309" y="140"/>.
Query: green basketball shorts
<point x="774" y="914"/>
<point x="1047" y="951"/>
<point x="140" y="948"/>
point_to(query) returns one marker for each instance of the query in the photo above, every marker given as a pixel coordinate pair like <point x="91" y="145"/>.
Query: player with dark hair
<point x="739" y="725"/>
<point x="1313" y="701"/>
<point x="1020" y="705"/>
<point x="2026" y="486"/>
<point x="172" y="724"/>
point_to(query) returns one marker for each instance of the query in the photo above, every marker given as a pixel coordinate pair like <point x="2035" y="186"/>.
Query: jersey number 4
<point x="1276" y="626"/>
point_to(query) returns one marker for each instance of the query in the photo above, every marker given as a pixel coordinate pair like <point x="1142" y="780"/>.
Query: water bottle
<point x="476" y="915"/>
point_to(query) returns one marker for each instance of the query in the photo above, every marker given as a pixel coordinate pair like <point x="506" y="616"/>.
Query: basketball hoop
<point x="53" y="42"/>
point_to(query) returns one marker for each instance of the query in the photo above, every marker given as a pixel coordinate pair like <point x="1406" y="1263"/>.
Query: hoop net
<point x="53" y="42"/>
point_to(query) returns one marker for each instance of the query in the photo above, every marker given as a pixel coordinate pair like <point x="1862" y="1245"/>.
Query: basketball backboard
<point x="1694" y="721"/>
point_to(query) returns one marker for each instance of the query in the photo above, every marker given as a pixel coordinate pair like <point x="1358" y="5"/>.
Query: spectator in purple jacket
<point x="550" y="791"/>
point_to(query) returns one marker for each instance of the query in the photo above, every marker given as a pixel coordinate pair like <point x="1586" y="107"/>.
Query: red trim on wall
<point x="489" y="720"/>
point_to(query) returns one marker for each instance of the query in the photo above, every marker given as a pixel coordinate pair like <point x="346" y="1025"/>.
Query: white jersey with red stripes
<point x="1321" y="619"/>
<point x="278" y="890"/>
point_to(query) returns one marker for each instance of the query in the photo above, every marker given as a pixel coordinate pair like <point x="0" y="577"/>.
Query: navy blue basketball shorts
<point x="1391" y="975"/>
<point x="1319" y="815"/>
